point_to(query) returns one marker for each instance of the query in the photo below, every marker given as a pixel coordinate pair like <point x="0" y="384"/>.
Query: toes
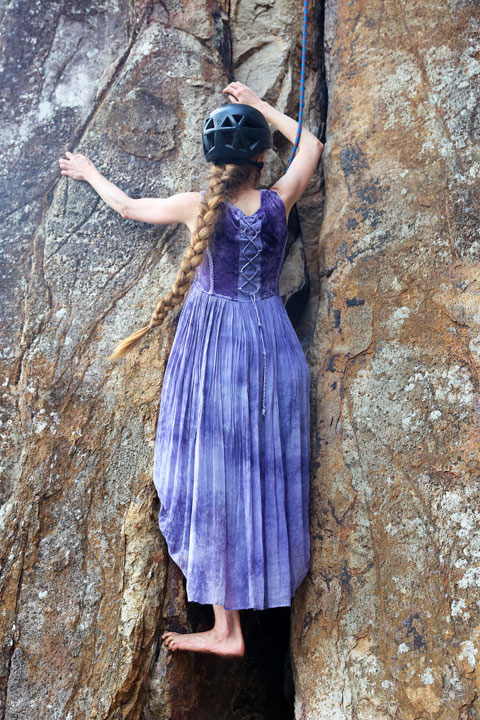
<point x="170" y="639"/>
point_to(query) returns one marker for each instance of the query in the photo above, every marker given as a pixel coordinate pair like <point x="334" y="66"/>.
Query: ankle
<point x="222" y="630"/>
<point x="227" y="622"/>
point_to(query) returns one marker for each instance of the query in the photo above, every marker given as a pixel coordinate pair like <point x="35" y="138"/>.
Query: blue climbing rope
<point x="302" y="81"/>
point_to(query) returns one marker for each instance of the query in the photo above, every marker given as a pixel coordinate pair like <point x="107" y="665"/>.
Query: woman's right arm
<point x="288" y="127"/>
<point x="297" y="178"/>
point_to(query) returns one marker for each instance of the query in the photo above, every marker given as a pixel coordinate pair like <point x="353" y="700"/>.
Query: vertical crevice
<point x="300" y="307"/>
<point x="321" y="89"/>
<point x="222" y="39"/>
<point x="297" y="302"/>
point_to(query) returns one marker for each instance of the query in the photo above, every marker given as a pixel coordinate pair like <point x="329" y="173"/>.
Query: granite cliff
<point x="382" y="283"/>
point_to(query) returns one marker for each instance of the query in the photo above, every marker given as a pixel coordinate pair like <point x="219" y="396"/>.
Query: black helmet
<point x="234" y="133"/>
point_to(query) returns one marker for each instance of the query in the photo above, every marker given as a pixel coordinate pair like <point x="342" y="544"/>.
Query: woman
<point x="231" y="463"/>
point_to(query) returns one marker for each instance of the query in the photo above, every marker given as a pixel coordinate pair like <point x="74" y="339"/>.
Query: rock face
<point x="383" y="287"/>
<point x="387" y="625"/>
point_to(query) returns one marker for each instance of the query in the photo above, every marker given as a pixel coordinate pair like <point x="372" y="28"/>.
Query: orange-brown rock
<point x="382" y="282"/>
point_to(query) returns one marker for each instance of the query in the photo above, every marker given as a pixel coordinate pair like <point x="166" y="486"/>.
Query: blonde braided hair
<point x="224" y="180"/>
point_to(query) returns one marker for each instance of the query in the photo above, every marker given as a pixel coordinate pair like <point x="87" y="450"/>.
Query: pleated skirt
<point x="233" y="483"/>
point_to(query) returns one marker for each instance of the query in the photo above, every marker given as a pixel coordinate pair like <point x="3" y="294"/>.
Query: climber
<point x="231" y="463"/>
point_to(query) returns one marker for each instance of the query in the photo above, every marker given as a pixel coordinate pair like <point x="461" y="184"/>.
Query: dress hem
<point x="273" y="604"/>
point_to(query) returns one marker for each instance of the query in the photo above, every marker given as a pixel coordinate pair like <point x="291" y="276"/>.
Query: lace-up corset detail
<point x="250" y="255"/>
<point x="246" y="252"/>
<point x="249" y="281"/>
<point x="243" y="264"/>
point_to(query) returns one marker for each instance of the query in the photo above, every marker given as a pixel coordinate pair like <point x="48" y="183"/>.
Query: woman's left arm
<point x="182" y="207"/>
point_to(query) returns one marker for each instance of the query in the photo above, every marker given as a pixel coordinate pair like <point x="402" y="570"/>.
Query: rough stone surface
<point x="86" y="583"/>
<point x="383" y="285"/>
<point x="387" y="625"/>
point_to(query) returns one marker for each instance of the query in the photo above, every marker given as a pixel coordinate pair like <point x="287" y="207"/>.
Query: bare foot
<point x="210" y="641"/>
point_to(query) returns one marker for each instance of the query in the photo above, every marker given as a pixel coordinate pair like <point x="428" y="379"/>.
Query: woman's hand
<point x="75" y="165"/>
<point x="240" y="93"/>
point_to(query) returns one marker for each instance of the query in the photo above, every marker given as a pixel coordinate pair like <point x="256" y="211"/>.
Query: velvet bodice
<point x="245" y="253"/>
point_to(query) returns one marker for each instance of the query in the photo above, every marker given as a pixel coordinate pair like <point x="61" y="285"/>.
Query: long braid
<point x="223" y="181"/>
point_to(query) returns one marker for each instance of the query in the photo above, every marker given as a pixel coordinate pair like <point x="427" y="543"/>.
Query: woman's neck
<point x="244" y="192"/>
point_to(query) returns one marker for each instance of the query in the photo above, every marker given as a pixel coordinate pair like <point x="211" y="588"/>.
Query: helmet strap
<point x="240" y="162"/>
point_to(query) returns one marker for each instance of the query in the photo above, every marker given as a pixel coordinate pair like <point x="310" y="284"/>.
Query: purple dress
<point x="231" y="462"/>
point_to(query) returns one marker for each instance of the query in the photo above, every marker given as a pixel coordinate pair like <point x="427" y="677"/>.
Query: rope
<point x="302" y="81"/>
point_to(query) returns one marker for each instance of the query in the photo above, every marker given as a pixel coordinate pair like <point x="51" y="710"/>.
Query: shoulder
<point x="280" y="200"/>
<point x="192" y="203"/>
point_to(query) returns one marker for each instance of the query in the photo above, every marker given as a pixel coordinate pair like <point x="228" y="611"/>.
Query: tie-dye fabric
<point x="231" y="462"/>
